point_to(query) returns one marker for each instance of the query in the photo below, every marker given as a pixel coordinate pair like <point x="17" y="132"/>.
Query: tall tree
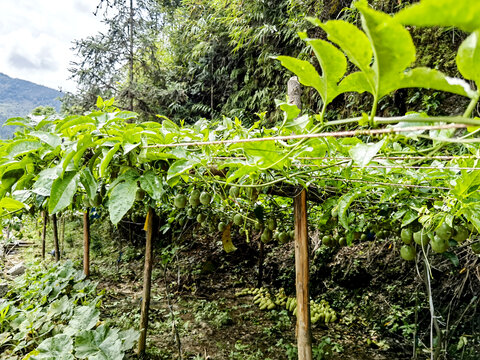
<point x="107" y="62"/>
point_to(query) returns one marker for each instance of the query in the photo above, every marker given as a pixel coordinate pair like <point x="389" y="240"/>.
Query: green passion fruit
<point x="238" y="219"/>
<point x="421" y="237"/>
<point x="180" y="201"/>
<point x="283" y="237"/>
<point x="205" y="198"/>
<point x="271" y="224"/>
<point x="461" y="234"/>
<point x="266" y="236"/>
<point x="194" y="198"/>
<point x="222" y="226"/>
<point x="201" y="218"/>
<point x="327" y="240"/>
<point x="439" y="245"/>
<point x="406" y="235"/>
<point x="408" y="252"/>
<point x="234" y="192"/>
<point x="444" y="231"/>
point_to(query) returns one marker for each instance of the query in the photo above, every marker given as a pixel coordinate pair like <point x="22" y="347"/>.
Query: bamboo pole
<point x="44" y="231"/>
<point x="86" y="242"/>
<point x="304" y="338"/>
<point x="55" y="237"/>
<point x="147" y="279"/>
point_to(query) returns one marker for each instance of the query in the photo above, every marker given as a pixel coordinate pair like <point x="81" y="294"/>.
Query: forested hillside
<point x="20" y="97"/>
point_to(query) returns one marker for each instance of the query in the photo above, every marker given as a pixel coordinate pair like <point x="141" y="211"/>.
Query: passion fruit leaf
<point x="462" y="14"/>
<point x="108" y="156"/>
<point x="10" y="204"/>
<point x="452" y="257"/>
<point x="468" y="57"/>
<point x="122" y="198"/>
<point x="179" y="167"/>
<point x="152" y="184"/>
<point x="89" y="183"/>
<point x="351" y="40"/>
<point x="344" y="203"/>
<point x="63" y="190"/>
<point x="362" y="154"/>
<point x="409" y="217"/>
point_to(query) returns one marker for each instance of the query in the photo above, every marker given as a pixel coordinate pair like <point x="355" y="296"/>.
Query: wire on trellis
<point x="349" y="133"/>
<point x="383" y="183"/>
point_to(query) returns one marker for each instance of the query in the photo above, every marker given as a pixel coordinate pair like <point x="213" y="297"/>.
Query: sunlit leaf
<point x="468" y="57"/>
<point x="463" y="14"/>
<point x="122" y="198"/>
<point x="62" y="192"/>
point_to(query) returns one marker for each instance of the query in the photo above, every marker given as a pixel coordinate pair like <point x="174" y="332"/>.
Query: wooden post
<point x="55" y="237"/>
<point x="294" y="92"/>
<point x="304" y="338"/>
<point x="44" y="231"/>
<point x="147" y="279"/>
<point x="86" y="242"/>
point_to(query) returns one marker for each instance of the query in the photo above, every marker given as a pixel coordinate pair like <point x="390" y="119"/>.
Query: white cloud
<point x="36" y="38"/>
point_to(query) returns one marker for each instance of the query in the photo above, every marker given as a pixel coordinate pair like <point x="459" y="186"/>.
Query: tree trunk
<point x="304" y="339"/>
<point x="147" y="279"/>
<point x="55" y="237"/>
<point x="130" y="59"/>
<point x="86" y="242"/>
<point x="44" y="231"/>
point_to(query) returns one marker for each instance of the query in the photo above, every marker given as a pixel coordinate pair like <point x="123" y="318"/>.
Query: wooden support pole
<point x="55" y="237"/>
<point x="86" y="242"/>
<point x="150" y="224"/>
<point x="44" y="231"/>
<point x="304" y="338"/>
<point x="294" y="91"/>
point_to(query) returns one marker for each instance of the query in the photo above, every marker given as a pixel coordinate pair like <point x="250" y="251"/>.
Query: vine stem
<point x="471" y="107"/>
<point x="319" y="135"/>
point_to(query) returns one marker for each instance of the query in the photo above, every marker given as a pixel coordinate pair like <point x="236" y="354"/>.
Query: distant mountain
<point x="20" y="97"/>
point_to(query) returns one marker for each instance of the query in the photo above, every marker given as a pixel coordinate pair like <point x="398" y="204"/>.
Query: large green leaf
<point x="468" y="57"/>
<point x="306" y="72"/>
<point x="84" y="318"/>
<point x="89" y="183"/>
<point x="179" y="167"/>
<point x="58" y="347"/>
<point x="10" y="204"/>
<point x="43" y="185"/>
<point x="333" y="64"/>
<point x="107" y="159"/>
<point x="264" y="154"/>
<point x="392" y="45"/>
<point x="152" y="184"/>
<point x="100" y="344"/>
<point x="63" y="189"/>
<point x="48" y="138"/>
<point x="343" y="205"/>
<point x="431" y="79"/>
<point x="22" y="147"/>
<point x="351" y="40"/>
<point x="463" y="14"/>
<point x="362" y="154"/>
<point x="122" y="198"/>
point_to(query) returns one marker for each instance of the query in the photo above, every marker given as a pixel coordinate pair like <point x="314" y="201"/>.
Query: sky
<point x="36" y="38"/>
